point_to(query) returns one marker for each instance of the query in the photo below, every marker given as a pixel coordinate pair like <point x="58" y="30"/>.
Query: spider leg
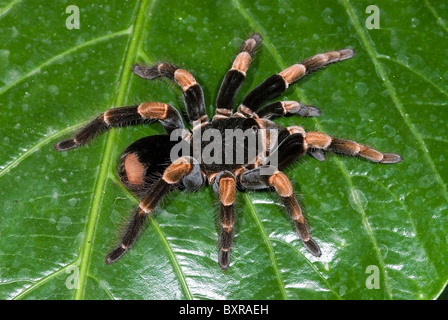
<point x="146" y="112"/>
<point x="192" y="92"/>
<point x="282" y="108"/>
<point x="184" y="170"/>
<point x="254" y="179"/>
<point x="318" y="141"/>
<point x="225" y="187"/>
<point x="287" y="154"/>
<point x="289" y="149"/>
<point x="278" y="83"/>
<point x="235" y="77"/>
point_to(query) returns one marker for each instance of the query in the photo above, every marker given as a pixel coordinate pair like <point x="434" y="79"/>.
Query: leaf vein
<point x="423" y="76"/>
<point x="438" y="18"/>
<point x="61" y="56"/>
<point x="281" y="64"/>
<point x="266" y="239"/>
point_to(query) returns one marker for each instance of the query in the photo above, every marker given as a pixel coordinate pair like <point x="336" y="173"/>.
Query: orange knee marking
<point x="296" y="129"/>
<point x="281" y="184"/>
<point x="144" y="209"/>
<point x="153" y="110"/>
<point x="293" y="73"/>
<point x="184" y="79"/>
<point x="241" y="62"/>
<point x="290" y="106"/>
<point x="177" y="170"/>
<point x="318" y="140"/>
<point x="227" y="187"/>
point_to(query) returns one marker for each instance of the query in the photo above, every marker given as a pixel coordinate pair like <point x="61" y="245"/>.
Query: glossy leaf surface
<point x="383" y="225"/>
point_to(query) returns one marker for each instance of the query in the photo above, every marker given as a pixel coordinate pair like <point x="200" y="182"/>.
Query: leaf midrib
<point x="110" y="137"/>
<point x="106" y="155"/>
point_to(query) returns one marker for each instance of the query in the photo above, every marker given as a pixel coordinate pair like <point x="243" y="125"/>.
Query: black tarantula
<point x="155" y="165"/>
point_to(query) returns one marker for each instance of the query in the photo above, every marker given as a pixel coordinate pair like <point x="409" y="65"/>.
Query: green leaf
<point x="62" y="212"/>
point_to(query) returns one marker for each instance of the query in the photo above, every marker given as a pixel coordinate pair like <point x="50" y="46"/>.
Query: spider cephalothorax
<point x="187" y="159"/>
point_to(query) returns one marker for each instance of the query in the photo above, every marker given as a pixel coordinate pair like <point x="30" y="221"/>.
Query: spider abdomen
<point x="144" y="162"/>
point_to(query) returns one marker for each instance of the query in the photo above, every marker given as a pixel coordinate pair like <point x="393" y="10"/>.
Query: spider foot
<point x="224" y="259"/>
<point x="302" y="110"/>
<point x="65" y="145"/>
<point x="312" y="247"/>
<point x="115" y="254"/>
<point x="150" y="72"/>
<point x="317" y="154"/>
<point x="391" y="158"/>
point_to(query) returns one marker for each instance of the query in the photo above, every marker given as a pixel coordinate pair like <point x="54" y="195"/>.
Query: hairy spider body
<point x="242" y="125"/>
<point x="140" y="167"/>
<point x="207" y="154"/>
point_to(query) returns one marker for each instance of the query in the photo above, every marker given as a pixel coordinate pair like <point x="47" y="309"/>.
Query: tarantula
<point x="155" y="165"/>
